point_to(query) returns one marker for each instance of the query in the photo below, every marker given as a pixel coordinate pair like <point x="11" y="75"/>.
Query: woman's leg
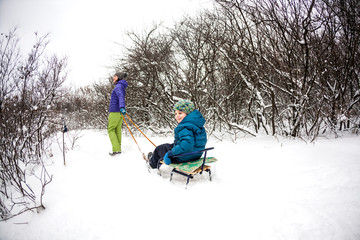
<point x="113" y="122"/>
<point x="118" y="131"/>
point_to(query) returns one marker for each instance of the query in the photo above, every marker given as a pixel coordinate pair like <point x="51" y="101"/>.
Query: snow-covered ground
<point x="262" y="188"/>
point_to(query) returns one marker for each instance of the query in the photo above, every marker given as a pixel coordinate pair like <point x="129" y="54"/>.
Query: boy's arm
<point x="186" y="143"/>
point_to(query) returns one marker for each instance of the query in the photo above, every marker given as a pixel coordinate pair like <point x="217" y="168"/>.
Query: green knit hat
<point x="185" y="106"/>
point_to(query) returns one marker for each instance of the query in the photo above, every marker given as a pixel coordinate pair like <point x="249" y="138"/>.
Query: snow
<point x="263" y="188"/>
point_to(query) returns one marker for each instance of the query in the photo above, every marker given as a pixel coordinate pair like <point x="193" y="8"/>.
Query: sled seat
<point x="189" y="169"/>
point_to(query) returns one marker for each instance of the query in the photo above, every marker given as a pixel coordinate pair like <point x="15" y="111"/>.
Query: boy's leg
<point x="113" y="121"/>
<point x="159" y="153"/>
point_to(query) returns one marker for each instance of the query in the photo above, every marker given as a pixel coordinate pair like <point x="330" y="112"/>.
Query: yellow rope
<point x="140" y="130"/>
<point x="143" y="155"/>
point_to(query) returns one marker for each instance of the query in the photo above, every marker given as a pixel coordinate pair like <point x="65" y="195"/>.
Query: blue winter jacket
<point x="117" y="99"/>
<point x="190" y="136"/>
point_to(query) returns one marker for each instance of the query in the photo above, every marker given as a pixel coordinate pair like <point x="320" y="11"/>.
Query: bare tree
<point x="296" y="48"/>
<point x="152" y="79"/>
<point x="28" y="91"/>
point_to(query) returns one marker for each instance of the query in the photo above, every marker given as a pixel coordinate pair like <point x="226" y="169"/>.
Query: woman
<point x="116" y="109"/>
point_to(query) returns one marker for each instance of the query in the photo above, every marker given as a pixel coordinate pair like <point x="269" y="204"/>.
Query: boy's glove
<point x="122" y="110"/>
<point x="167" y="160"/>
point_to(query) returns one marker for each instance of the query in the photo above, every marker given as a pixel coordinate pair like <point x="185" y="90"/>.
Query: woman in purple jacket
<point x="116" y="109"/>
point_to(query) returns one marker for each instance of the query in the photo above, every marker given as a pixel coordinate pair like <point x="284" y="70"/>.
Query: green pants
<point x="114" y="130"/>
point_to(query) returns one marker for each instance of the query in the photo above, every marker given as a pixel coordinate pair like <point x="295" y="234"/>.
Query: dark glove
<point x="167" y="160"/>
<point x="123" y="111"/>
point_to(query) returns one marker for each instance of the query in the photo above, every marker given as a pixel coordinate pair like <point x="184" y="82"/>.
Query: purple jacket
<point x="117" y="99"/>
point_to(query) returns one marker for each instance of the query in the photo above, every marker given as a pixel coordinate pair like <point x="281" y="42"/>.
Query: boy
<point x="190" y="136"/>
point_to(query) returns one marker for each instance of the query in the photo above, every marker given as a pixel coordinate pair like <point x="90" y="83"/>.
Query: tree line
<point x="286" y="68"/>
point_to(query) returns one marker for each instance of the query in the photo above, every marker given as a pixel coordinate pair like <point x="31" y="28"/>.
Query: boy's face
<point x="179" y="115"/>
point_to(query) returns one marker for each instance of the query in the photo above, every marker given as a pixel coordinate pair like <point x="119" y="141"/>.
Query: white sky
<point x="85" y="30"/>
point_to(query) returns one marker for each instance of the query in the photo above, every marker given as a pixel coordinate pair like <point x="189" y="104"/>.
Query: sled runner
<point x="189" y="169"/>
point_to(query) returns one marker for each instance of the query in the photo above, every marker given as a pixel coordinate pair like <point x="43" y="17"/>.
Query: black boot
<point x="149" y="156"/>
<point x="114" y="153"/>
